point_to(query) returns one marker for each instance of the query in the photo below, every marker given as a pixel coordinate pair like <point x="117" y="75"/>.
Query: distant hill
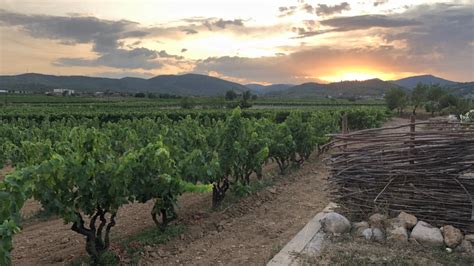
<point x="366" y="88"/>
<point x="264" y="89"/>
<point x="187" y="84"/>
<point x="411" y="82"/>
<point x="463" y="89"/>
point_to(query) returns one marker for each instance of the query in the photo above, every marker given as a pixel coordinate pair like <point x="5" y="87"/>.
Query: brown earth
<point x="249" y="231"/>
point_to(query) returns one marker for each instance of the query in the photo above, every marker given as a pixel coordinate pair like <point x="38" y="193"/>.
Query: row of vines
<point x="84" y="169"/>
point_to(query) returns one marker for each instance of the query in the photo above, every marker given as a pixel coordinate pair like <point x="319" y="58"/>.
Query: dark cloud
<point x="308" y="8"/>
<point x="287" y="10"/>
<point x="184" y="50"/>
<point x="343" y="24"/>
<point x="105" y="36"/>
<point x="223" y="23"/>
<point x="325" y="10"/>
<point x="380" y="2"/>
<point x="118" y="58"/>
<point x="367" y="22"/>
<point x="443" y="41"/>
<point x="190" y="31"/>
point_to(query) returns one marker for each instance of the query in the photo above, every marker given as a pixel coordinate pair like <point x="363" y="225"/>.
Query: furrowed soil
<point x="245" y="231"/>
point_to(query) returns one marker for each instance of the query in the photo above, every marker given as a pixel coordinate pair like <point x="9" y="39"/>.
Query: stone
<point x="368" y="234"/>
<point x="469" y="238"/>
<point x="374" y="234"/>
<point x="452" y="236"/>
<point x="398" y="234"/>
<point x="465" y="246"/>
<point x="409" y="220"/>
<point x="396" y="230"/>
<point x="360" y="227"/>
<point x="377" y="219"/>
<point x="378" y="234"/>
<point x="427" y="235"/>
<point x="335" y="223"/>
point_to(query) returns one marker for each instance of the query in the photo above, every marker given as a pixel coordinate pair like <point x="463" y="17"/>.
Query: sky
<point x="258" y="41"/>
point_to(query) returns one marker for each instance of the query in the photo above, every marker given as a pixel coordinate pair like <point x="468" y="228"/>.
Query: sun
<point x="357" y="75"/>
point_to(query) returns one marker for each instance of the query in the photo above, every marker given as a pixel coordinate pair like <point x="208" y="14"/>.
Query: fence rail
<point x="424" y="168"/>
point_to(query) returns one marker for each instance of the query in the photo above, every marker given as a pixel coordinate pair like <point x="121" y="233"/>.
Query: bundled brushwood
<point x="428" y="172"/>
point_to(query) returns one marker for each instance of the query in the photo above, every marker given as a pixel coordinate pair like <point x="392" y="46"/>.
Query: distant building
<point x="63" y="92"/>
<point x="3" y="91"/>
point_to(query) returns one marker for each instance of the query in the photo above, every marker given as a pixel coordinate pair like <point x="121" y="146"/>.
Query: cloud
<point x="184" y="50"/>
<point x="304" y="65"/>
<point x="380" y="2"/>
<point x="287" y="10"/>
<point x="367" y="22"/>
<point x="308" y="8"/>
<point x="363" y="22"/>
<point x="223" y="23"/>
<point x="190" y="31"/>
<point x="438" y="41"/>
<point x="441" y="41"/>
<point x="325" y="10"/>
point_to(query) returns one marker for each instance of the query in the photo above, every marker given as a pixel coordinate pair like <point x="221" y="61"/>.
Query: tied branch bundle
<point x="428" y="172"/>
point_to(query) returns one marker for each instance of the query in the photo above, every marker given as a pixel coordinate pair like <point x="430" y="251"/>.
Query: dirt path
<point x="248" y="232"/>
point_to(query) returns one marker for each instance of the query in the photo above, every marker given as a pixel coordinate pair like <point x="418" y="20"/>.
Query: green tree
<point x="187" y="103"/>
<point x="418" y="96"/>
<point x="245" y="102"/>
<point x="230" y="95"/>
<point x="434" y="95"/>
<point x="396" y="98"/>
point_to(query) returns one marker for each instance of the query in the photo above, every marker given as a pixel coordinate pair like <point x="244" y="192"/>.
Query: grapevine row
<point x="78" y="167"/>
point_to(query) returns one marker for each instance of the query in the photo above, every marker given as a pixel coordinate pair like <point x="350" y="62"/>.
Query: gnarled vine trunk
<point x="97" y="242"/>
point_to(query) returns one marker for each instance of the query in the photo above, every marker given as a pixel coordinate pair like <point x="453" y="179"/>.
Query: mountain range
<point x="202" y="85"/>
<point x="188" y="84"/>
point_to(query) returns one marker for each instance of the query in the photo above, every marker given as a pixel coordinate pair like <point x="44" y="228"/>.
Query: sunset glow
<point x="269" y="41"/>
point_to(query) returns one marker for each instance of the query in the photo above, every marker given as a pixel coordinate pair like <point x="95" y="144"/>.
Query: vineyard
<point x="82" y="164"/>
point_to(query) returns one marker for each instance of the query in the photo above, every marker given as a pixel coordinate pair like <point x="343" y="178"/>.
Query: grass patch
<point x="135" y="244"/>
<point x="356" y="251"/>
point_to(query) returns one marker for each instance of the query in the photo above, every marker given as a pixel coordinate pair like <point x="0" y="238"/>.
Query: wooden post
<point x="345" y="129"/>
<point x="412" y="137"/>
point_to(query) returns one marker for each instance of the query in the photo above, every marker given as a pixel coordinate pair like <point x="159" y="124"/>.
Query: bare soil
<point x="246" y="231"/>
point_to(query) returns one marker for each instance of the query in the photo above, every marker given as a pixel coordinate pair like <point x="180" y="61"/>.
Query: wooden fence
<point x="424" y="168"/>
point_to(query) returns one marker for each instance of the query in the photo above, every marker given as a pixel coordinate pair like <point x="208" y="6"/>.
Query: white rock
<point x="452" y="236"/>
<point x="360" y="227"/>
<point x="379" y="235"/>
<point x="427" y="235"/>
<point x="335" y="223"/>
<point x="374" y="233"/>
<point x="368" y="234"/>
